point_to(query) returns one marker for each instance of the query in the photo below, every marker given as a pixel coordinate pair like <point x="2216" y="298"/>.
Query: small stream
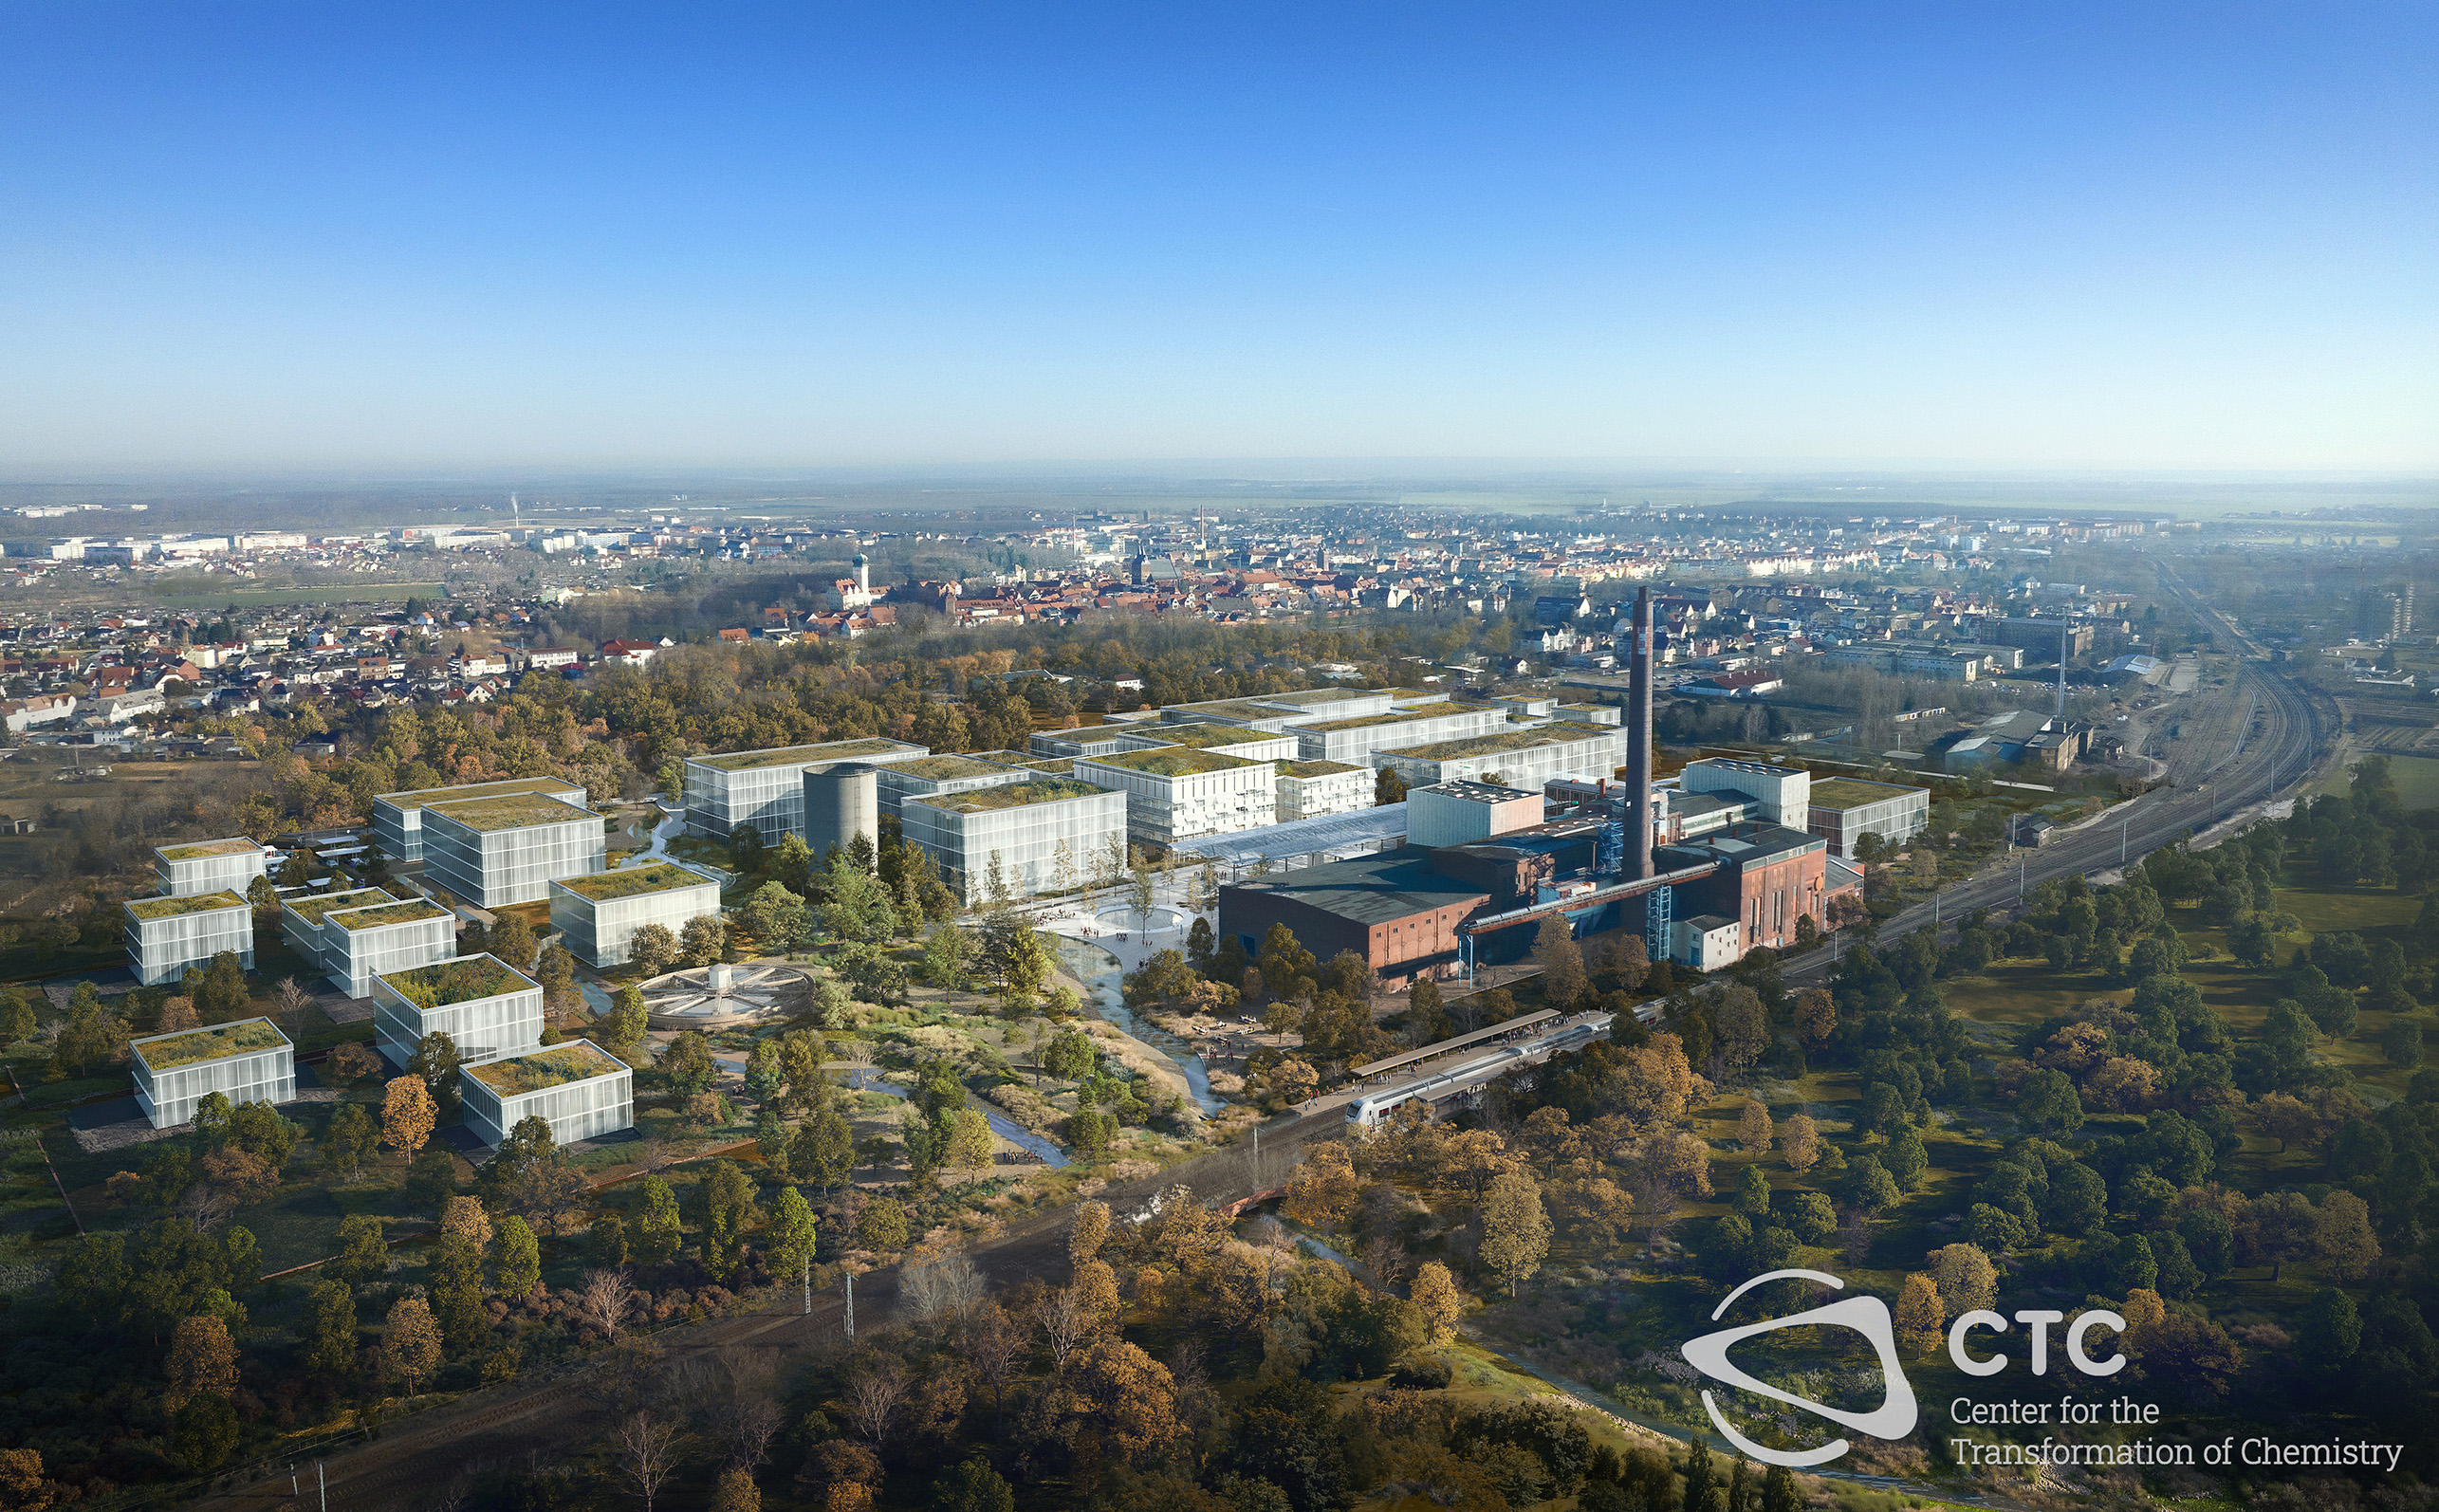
<point x="1100" y="971"/>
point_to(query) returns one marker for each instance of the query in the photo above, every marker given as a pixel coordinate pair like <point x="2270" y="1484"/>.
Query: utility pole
<point x="851" y="1304"/>
<point x="2123" y="819"/>
<point x="322" y="1484"/>
<point x="809" y="1285"/>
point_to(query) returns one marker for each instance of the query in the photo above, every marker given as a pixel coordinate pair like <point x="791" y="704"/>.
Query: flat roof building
<point x="1461" y="813"/>
<point x="397" y="817"/>
<point x="165" y="936"/>
<point x="765" y="788"/>
<point x="1046" y="834"/>
<point x="930" y="775"/>
<point x="1176" y="793"/>
<point x="208" y="866"/>
<point x="1313" y="789"/>
<point x="580" y="1090"/>
<point x="598" y="915"/>
<point x="494" y="851"/>
<point x="249" y="1060"/>
<point x="1392" y="909"/>
<point x="486" y="1006"/>
<point x="1355" y="738"/>
<point x="361" y="943"/>
<point x="1524" y="757"/>
<point x="1233" y="739"/>
<point x="1844" y="809"/>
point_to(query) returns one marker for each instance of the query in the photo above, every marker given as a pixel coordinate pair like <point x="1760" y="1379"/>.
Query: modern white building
<point x="509" y="849"/>
<point x="765" y="788"/>
<point x="1522" y="756"/>
<point x="397" y="817"/>
<point x="1705" y="942"/>
<point x="1175" y="793"/>
<point x="1311" y="789"/>
<point x="598" y="915"/>
<point x="165" y="936"/>
<point x="1782" y="794"/>
<point x="1844" y="809"/>
<point x="359" y="944"/>
<point x="1231" y="740"/>
<point x="1356" y="737"/>
<point x="580" y="1090"/>
<point x="486" y="1006"/>
<point x="246" y="1061"/>
<point x="208" y="866"/>
<point x="300" y="917"/>
<point x="1034" y="829"/>
<point x="932" y="776"/>
<point x="1463" y="813"/>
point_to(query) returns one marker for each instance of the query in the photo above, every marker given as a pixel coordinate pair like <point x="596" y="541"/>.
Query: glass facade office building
<point x="359" y="944"/>
<point x="598" y="915"/>
<point x="487" y="1008"/>
<point x="246" y="1061"/>
<point x="208" y="866"/>
<point x="765" y="788"/>
<point x="1024" y="825"/>
<point x="492" y="851"/>
<point x="397" y="817"/>
<point x="165" y="936"/>
<point x="580" y="1090"/>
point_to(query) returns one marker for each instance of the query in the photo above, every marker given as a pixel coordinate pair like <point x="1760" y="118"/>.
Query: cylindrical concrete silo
<point x="840" y="802"/>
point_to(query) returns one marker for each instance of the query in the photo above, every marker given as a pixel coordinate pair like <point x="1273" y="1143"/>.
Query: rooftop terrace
<point x="1362" y="720"/>
<point x="601" y="886"/>
<point x="947" y="768"/>
<point x="1207" y="737"/>
<point x="837" y="750"/>
<point x="475" y="790"/>
<point x="1173" y="760"/>
<point x="313" y="906"/>
<point x="1852" y="792"/>
<point x="1500" y="742"/>
<point x="201" y="849"/>
<point x="1315" y="768"/>
<point x="192" y="1047"/>
<point x="1010" y="795"/>
<point x="382" y="915"/>
<point x="170" y="907"/>
<point x="512" y="811"/>
<point x="577" y="1060"/>
<point x="462" y="980"/>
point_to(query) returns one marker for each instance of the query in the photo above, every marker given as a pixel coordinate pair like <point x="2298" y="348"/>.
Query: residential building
<point x="1312" y="789"/>
<point x="598" y="915"/>
<point x="1176" y="793"/>
<point x="249" y="1060"/>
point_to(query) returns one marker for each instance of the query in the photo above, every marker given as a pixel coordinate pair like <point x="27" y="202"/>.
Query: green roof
<point x="837" y="750"/>
<point x="1232" y="708"/>
<point x="511" y="811"/>
<point x="314" y="904"/>
<point x="1055" y="766"/>
<point x="1171" y="761"/>
<point x="1361" y="721"/>
<point x="947" y="768"/>
<point x="576" y="1060"/>
<point x="1010" y="795"/>
<point x="1499" y="742"/>
<point x="1311" y="696"/>
<point x="1208" y="737"/>
<point x="459" y="980"/>
<point x="1852" y="792"/>
<point x="1315" y="768"/>
<point x="201" y="849"/>
<point x="629" y="881"/>
<point x="169" y="1051"/>
<point x="380" y="915"/>
<point x="473" y="790"/>
<point x="170" y="907"/>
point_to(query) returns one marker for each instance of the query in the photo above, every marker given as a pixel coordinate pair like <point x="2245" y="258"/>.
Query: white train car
<point x="1442" y="1089"/>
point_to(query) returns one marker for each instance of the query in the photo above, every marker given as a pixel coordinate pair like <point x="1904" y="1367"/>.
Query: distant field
<point x="2417" y="779"/>
<point x="348" y="593"/>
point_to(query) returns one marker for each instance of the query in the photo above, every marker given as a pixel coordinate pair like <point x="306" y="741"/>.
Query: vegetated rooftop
<point x="1501" y="741"/>
<point x="1010" y="795"/>
<point x="1854" y="792"/>
<point x="314" y="904"/>
<point x="170" y="907"/>
<point x="1315" y="768"/>
<point x="837" y="750"/>
<point x="468" y="791"/>
<point x="512" y="811"/>
<point x="1055" y="766"/>
<point x="380" y="915"/>
<point x="1208" y="737"/>
<point x="200" y="850"/>
<point x="186" y="1048"/>
<point x="947" y="768"/>
<point x="1173" y="760"/>
<point x="462" y="979"/>
<point x="629" y="881"/>
<point x="1402" y="717"/>
<point x="576" y="1060"/>
<point x="1232" y="709"/>
<point x="1311" y="696"/>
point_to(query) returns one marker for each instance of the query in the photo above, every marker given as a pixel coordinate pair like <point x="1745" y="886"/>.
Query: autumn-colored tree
<point x="1563" y="983"/>
<point x="2342" y="1240"/>
<point x="23" y="1487"/>
<point x="735" y="1492"/>
<point x="1515" y="1230"/>
<point x="1435" y="1292"/>
<point x="1128" y="1400"/>
<point x="1966" y="1280"/>
<point x="202" y="1358"/>
<point x="1799" y="1141"/>
<point x="464" y="1218"/>
<point x="1919" y="1313"/>
<point x="1324" y="1188"/>
<point x="1682" y="1161"/>
<point x="1815" y="1017"/>
<point x="408" y="1114"/>
<point x="411" y="1340"/>
<point x="1753" y="1129"/>
<point x="1087" y="1230"/>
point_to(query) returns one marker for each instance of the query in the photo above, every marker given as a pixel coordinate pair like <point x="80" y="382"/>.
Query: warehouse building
<point x="249" y="1060"/>
<point x="598" y="915"/>
<point x="1394" y="908"/>
<point x="496" y="851"/>
<point x="1046" y="834"/>
<point x="1175" y="793"/>
<point x="486" y="1006"/>
<point x="165" y="936"/>
<point x="208" y="866"/>
<point x="765" y="788"/>
<point x="580" y="1090"/>
<point x="397" y="817"/>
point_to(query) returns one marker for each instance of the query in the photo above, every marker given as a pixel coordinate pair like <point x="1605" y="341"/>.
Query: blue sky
<point x="292" y="235"/>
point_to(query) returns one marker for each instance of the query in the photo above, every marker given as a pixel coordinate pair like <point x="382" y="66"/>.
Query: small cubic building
<point x="929" y="777"/>
<point x="359" y="944"/>
<point x="300" y="917"/>
<point x="208" y="866"/>
<point x="1313" y="789"/>
<point x="1025" y="827"/>
<point x="598" y="915"/>
<point x="487" y="1008"/>
<point x="1844" y="809"/>
<point x="494" y="851"/>
<point x="397" y="817"/>
<point x="165" y="936"/>
<point x="246" y="1061"/>
<point x="580" y="1090"/>
<point x="765" y="788"/>
<point x="1176" y="793"/>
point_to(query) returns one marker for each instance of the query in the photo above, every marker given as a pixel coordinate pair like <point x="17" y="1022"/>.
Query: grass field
<point x="2416" y="778"/>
